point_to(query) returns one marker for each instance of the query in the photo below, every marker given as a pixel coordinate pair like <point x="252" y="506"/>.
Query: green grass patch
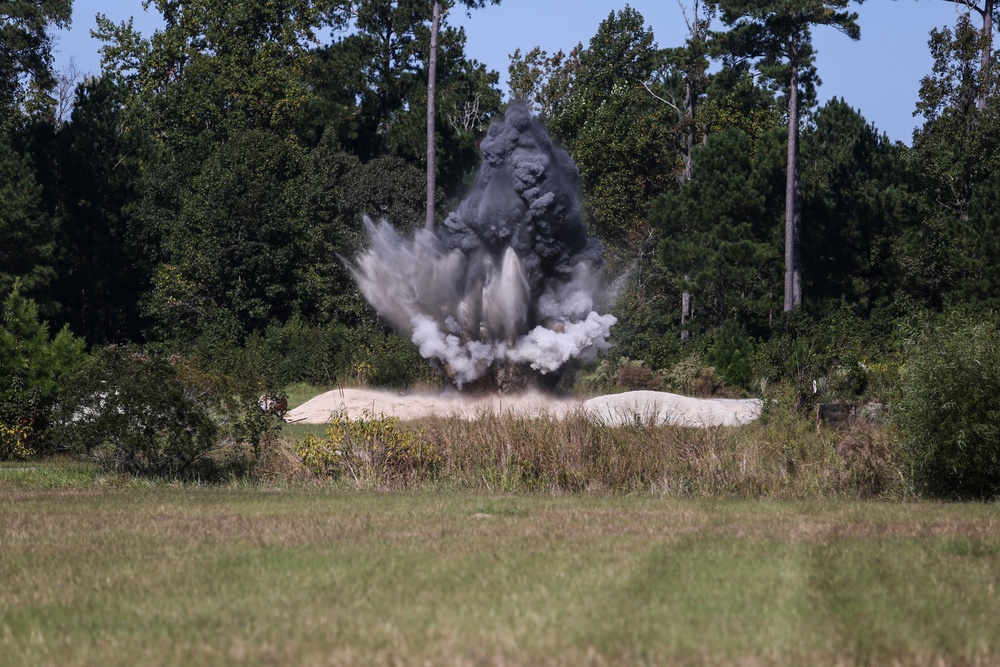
<point x="50" y="473"/>
<point x="300" y="392"/>
<point x="201" y="575"/>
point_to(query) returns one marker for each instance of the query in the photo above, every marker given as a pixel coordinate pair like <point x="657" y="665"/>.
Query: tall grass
<point x="782" y="456"/>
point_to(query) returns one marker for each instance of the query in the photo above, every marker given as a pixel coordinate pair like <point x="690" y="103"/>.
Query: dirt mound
<point x="646" y="407"/>
<point x="660" y="407"/>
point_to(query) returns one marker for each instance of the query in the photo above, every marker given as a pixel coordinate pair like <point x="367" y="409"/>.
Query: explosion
<point x="506" y="289"/>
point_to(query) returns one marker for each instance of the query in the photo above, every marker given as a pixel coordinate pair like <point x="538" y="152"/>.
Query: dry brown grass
<point x="777" y="458"/>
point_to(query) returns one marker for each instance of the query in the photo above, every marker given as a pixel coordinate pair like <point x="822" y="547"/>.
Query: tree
<point x="104" y="265"/>
<point x="778" y="36"/>
<point x="27" y="232"/>
<point x="374" y="84"/>
<point x="235" y="251"/>
<point x="716" y="234"/>
<point x="431" y="101"/>
<point x="26" y="53"/>
<point x="688" y="67"/>
<point x="617" y="133"/>
<point x="854" y="192"/>
<point x="989" y="13"/>
<point x="260" y="233"/>
<point x="33" y="364"/>
<point x="956" y="160"/>
<point x="217" y="69"/>
<point x="431" y="98"/>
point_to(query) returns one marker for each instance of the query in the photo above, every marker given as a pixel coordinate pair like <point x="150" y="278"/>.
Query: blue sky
<point x="880" y="74"/>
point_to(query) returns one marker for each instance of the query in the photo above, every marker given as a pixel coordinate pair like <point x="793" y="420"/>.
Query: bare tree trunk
<point x="987" y="48"/>
<point x="793" y="194"/>
<point x="431" y="94"/>
<point x="689" y="110"/>
<point x="689" y="102"/>
<point x="685" y="313"/>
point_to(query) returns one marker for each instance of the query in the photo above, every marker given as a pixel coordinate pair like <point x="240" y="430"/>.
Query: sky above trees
<point x="880" y="74"/>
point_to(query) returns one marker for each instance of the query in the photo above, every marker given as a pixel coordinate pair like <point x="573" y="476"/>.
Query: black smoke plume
<point x="511" y="277"/>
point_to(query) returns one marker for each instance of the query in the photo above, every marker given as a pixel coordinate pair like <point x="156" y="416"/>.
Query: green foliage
<point x="237" y="244"/>
<point x="135" y="414"/>
<point x="778" y="36"/>
<point x="618" y="134"/>
<point x="298" y="351"/>
<point x="842" y="357"/>
<point x="648" y="312"/>
<point x="33" y="367"/>
<point x="15" y="441"/>
<point x="104" y="259"/>
<point x="542" y="81"/>
<point x="717" y="232"/>
<point x="621" y="137"/>
<point x="371" y="450"/>
<point x="617" y="375"/>
<point x="216" y="70"/>
<point x="371" y="87"/>
<point x="731" y="355"/>
<point x="26" y="54"/>
<point x="692" y="376"/>
<point x="151" y="415"/>
<point x="948" y="409"/>
<point x="953" y="252"/>
<point x="27" y="232"/>
<point x="853" y="182"/>
<point x="258" y="233"/>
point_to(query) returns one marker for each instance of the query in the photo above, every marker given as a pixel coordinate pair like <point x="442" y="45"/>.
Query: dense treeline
<point x="200" y="196"/>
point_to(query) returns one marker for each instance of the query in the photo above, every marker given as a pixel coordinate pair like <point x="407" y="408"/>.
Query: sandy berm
<point x="644" y="407"/>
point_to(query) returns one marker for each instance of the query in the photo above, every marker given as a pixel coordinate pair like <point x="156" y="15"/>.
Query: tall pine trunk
<point x="793" y="193"/>
<point x="987" y="48"/>
<point x="431" y="94"/>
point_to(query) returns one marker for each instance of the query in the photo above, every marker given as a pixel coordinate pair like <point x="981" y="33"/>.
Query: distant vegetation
<point x="173" y="225"/>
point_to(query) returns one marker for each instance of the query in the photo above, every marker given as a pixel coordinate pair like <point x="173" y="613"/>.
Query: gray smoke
<point x="511" y="276"/>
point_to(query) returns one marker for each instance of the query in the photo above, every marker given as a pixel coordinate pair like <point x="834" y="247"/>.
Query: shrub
<point x="623" y="374"/>
<point x="948" y="409"/>
<point x="152" y="415"/>
<point x="870" y="461"/>
<point x="635" y="374"/>
<point x="691" y="376"/>
<point x="14" y="440"/>
<point x="371" y="449"/>
<point x="731" y="354"/>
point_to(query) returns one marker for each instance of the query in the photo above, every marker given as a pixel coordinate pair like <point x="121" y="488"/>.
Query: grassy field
<point x="100" y="571"/>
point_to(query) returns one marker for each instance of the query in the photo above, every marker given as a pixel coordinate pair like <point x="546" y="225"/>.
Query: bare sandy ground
<point x="645" y="407"/>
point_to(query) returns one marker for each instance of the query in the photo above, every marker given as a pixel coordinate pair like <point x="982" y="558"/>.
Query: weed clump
<point x="371" y="450"/>
<point x="14" y="441"/>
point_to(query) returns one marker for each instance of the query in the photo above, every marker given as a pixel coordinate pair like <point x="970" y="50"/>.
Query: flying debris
<point x="510" y="281"/>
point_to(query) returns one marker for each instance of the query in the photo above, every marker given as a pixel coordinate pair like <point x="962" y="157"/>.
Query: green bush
<point x="162" y="416"/>
<point x="14" y="439"/>
<point x="371" y="450"/>
<point x="731" y="354"/>
<point x="33" y="366"/>
<point x="948" y="409"/>
<point x="304" y="352"/>
<point x="691" y="376"/>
